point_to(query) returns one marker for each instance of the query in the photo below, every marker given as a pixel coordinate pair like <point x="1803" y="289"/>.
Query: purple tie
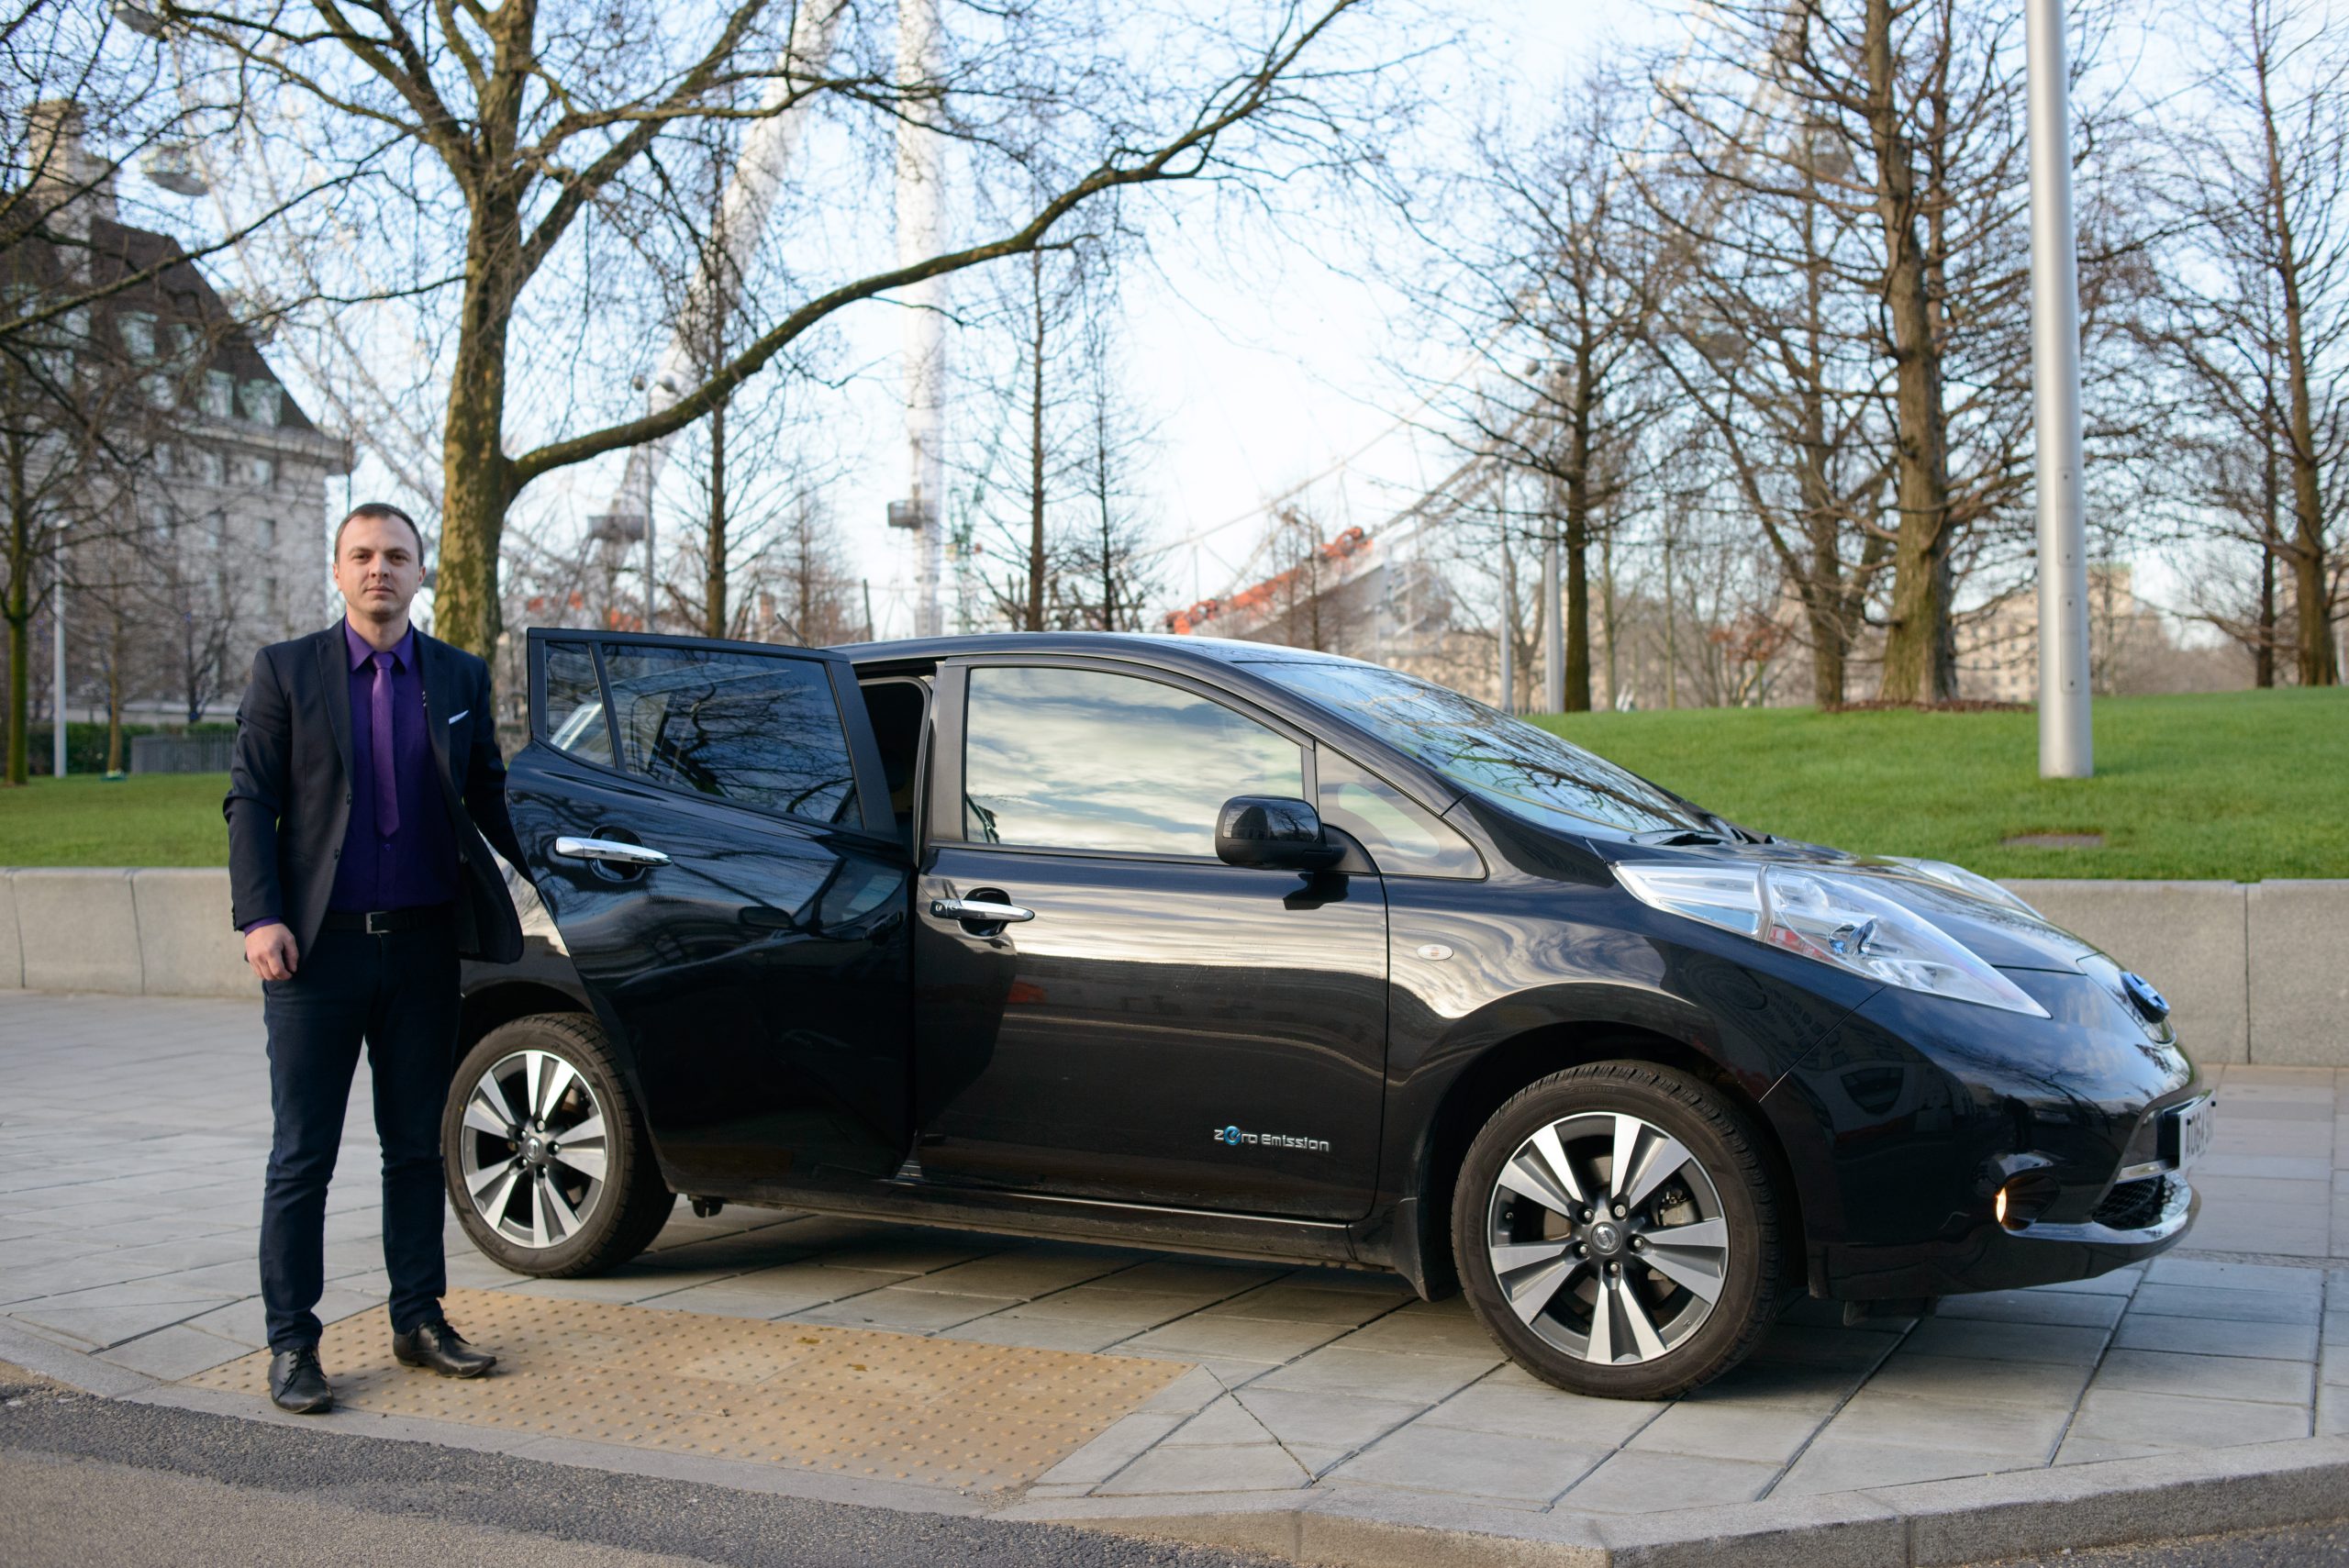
<point x="387" y="792"/>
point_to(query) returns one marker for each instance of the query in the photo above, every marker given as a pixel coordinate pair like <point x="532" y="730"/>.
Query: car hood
<point x="2003" y="935"/>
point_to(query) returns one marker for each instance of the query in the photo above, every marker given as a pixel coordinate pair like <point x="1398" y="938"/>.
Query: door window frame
<point x="950" y="714"/>
<point x="874" y="817"/>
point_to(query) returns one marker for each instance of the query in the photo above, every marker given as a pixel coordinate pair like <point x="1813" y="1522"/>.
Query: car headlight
<point x="1841" y="921"/>
<point x="1964" y="881"/>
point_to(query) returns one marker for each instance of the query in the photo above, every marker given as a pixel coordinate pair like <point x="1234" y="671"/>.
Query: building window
<point x="137" y="333"/>
<point x="207" y="466"/>
<point x="269" y="595"/>
<point x="220" y="395"/>
<point x="269" y="541"/>
<point x="260" y="400"/>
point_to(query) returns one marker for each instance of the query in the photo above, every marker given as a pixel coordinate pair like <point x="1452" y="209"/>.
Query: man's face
<point x="377" y="569"/>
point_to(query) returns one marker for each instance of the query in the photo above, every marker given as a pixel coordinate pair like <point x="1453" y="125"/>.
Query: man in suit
<point x="366" y="775"/>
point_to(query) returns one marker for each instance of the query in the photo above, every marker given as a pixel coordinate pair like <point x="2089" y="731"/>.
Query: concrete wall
<point x="2255" y="972"/>
<point x="156" y="931"/>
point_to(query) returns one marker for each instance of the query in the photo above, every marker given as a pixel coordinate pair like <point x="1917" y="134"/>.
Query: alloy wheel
<point x="533" y="1154"/>
<point x="1607" y="1238"/>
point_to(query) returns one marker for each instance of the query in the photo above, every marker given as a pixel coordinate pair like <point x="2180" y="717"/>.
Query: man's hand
<point x="270" y="951"/>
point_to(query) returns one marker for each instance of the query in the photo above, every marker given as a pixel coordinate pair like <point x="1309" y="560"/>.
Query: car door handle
<point x="982" y="910"/>
<point x="610" y="851"/>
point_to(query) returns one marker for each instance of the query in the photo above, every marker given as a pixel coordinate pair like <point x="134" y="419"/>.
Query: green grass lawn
<point x="2236" y="785"/>
<point x="150" y="819"/>
<point x="2239" y="785"/>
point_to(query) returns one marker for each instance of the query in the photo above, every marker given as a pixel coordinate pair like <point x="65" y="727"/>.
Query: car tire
<point x="532" y="1202"/>
<point x="1607" y="1303"/>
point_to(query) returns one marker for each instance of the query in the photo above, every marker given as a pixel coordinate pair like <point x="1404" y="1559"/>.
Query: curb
<point x="1932" y="1524"/>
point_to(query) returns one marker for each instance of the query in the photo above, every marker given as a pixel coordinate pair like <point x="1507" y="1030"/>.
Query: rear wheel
<point x="549" y="1164"/>
<point x="1616" y="1231"/>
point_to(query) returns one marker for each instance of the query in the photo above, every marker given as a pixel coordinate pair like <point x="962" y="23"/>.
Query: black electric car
<point x="1243" y="949"/>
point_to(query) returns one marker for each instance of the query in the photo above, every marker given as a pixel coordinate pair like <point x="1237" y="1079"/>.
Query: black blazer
<point x="290" y="788"/>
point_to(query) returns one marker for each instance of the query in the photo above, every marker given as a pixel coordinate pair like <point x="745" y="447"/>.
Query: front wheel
<point x="549" y="1164"/>
<point x="1616" y="1232"/>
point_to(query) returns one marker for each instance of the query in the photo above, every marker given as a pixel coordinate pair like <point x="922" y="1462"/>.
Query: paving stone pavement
<point x="133" y="1133"/>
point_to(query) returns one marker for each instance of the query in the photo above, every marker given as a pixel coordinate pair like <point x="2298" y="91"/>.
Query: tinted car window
<point x="1484" y="750"/>
<point x="749" y="728"/>
<point x="1403" y="839"/>
<point x="574" y="705"/>
<point x="1086" y="759"/>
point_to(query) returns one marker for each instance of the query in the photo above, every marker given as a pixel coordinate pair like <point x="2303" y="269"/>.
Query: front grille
<point x="2132" y="1205"/>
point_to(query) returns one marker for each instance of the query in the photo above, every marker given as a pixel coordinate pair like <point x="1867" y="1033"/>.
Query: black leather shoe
<point x="298" y="1383"/>
<point x="436" y="1347"/>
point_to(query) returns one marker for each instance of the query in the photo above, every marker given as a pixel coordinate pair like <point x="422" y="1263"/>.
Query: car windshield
<point x="1484" y="750"/>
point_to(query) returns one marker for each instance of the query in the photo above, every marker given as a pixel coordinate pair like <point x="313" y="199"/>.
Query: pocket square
<point x="459" y="713"/>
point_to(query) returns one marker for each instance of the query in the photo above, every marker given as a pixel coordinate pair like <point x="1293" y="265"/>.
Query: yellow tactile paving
<point x="940" y="1412"/>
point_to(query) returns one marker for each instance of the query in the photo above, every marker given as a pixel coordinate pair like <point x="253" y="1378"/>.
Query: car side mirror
<point x="1275" y="831"/>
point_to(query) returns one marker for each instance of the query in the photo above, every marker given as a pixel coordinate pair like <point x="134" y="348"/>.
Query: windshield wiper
<point x="1670" y="837"/>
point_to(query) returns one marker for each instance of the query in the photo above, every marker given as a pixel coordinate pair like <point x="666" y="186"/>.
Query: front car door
<point x="708" y="826"/>
<point x="1166" y="1029"/>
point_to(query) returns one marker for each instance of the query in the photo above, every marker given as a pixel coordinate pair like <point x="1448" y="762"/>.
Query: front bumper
<point x="1991" y="1257"/>
<point x="1914" y="1112"/>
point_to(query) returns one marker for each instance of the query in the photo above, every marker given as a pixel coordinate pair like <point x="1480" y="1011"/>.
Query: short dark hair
<point x="378" y="512"/>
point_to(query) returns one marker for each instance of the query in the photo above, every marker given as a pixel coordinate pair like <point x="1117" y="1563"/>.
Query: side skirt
<point x="1256" y="1239"/>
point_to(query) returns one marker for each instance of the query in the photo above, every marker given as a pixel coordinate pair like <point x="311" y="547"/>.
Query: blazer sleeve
<point x="258" y="771"/>
<point x="486" y="779"/>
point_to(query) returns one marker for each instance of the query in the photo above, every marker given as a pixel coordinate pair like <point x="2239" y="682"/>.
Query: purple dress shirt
<point x="398" y="851"/>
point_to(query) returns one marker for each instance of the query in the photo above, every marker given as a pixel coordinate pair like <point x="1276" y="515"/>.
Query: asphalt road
<point x="87" y="1482"/>
<point x="2303" y="1545"/>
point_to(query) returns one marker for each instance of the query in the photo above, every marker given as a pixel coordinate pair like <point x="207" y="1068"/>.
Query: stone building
<point x="222" y="509"/>
<point x="1997" y="651"/>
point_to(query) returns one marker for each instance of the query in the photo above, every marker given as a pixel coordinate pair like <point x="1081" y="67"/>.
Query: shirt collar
<point x="403" y="652"/>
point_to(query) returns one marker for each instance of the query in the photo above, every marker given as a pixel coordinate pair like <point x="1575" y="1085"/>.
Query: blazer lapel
<point x="334" y="670"/>
<point x="432" y="671"/>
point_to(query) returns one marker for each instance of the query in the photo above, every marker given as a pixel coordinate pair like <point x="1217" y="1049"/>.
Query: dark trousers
<point x="398" y="994"/>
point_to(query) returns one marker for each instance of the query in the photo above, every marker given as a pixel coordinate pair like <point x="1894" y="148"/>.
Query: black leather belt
<point x="384" y="922"/>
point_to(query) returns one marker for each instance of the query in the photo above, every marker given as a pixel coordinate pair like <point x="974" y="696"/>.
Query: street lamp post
<point x="2067" y="750"/>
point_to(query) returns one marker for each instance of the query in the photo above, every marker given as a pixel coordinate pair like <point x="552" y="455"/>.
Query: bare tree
<point x="1026" y="461"/>
<point x="526" y="144"/>
<point x="1108" y="574"/>
<point x="1776" y="354"/>
<point x="807" y="593"/>
<point x="1552" y="301"/>
<point x="2258" y="311"/>
<point x="1903" y="120"/>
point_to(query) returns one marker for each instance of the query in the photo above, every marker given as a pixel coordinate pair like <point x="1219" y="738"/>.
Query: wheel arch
<point x="489" y="1007"/>
<point x="1486" y="1083"/>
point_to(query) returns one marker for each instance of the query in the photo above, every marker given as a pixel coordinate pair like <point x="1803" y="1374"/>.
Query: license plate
<point x="2190" y="1130"/>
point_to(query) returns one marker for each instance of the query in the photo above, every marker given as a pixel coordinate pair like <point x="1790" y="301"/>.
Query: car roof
<point x="1203" y="650"/>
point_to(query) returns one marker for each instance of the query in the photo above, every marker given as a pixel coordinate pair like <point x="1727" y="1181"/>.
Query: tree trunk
<point x="1606" y="607"/>
<point x="476" y="482"/>
<point x="114" y="708"/>
<point x="1671" y="633"/>
<point x="1036" y="449"/>
<point x="1823" y="592"/>
<point x="1918" y="663"/>
<point x="19" y="612"/>
<point x="1507" y="639"/>
<point x="2314" y="643"/>
<point x="1577" y="628"/>
<point x="2263" y="651"/>
<point x="713" y="618"/>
